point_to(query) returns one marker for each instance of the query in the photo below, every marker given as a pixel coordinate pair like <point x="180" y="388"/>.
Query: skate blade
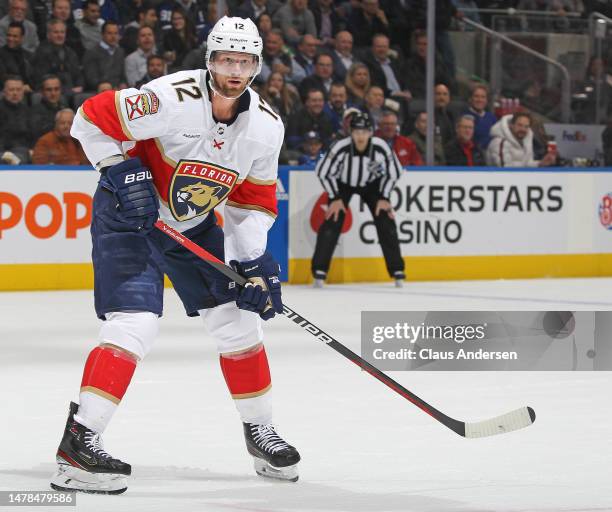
<point x="70" y="479"/>
<point x="286" y="474"/>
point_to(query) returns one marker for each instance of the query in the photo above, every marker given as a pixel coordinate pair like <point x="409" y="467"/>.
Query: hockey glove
<point x="263" y="294"/>
<point x="132" y="186"/>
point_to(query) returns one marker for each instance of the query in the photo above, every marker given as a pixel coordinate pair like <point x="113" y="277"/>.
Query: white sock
<point x="256" y="410"/>
<point x="95" y="412"/>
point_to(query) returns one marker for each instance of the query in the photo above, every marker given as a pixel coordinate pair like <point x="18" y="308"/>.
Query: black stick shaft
<point x="319" y="334"/>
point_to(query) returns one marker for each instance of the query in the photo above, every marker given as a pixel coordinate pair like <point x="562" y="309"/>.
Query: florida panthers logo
<point x="197" y="187"/>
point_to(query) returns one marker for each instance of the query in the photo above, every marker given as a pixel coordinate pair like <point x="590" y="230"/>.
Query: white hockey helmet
<point x="235" y="35"/>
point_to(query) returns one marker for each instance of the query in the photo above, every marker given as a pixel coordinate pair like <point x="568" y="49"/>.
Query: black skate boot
<point x="274" y="457"/>
<point x="83" y="465"/>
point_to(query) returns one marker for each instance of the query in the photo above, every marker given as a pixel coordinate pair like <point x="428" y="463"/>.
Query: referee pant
<point x="329" y="232"/>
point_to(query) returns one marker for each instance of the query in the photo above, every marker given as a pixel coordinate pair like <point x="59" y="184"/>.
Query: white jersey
<point x="196" y="162"/>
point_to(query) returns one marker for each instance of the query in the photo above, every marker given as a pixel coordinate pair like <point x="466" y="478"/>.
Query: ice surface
<point x="364" y="448"/>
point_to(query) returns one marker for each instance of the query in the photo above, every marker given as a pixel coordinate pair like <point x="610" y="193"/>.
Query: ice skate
<point x="83" y="465"/>
<point x="399" y="279"/>
<point x="319" y="279"/>
<point x="274" y="457"/>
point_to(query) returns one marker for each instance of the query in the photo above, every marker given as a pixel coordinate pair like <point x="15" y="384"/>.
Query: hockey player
<point x="175" y="149"/>
<point x="364" y="165"/>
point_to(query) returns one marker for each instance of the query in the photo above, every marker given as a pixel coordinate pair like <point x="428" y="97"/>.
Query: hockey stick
<point x="514" y="420"/>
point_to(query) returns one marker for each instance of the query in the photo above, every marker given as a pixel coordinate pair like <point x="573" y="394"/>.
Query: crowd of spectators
<point x="322" y="60"/>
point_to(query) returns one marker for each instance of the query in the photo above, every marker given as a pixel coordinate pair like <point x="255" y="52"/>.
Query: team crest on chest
<point x="197" y="187"/>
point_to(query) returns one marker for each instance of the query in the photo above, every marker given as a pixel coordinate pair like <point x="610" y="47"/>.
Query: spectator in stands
<point x="136" y="62"/>
<point x="156" y="67"/>
<point x="321" y="78"/>
<point x="195" y="11"/>
<point x="366" y="21"/>
<point x="282" y="97"/>
<point x="17" y="13"/>
<point x="16" y="124"/>
<point x="462" y="150"/>
<point x="264" y="25"/>
<point x="419" y="137"/>
<point x="14" y="59"/>
<point x="178" y="40"/>
<point x="342" y="54"/>
<point x="43" y="114"/>
<point x="105" y="62"/>
<point x="295" y="20"/>
<point x="327" y="20"/>
<point x="255" y="9"/>
<point x="303" y="60"/>
<point x="312" y="149"/>
<point x="53" y="57"/>
<point x="445" y="119"/>
<point x="336" y="105"/>
<point x="62" y="10"/>
<point x="147" y="17"/>
<point x="478" y="102"/>
<point x="385" y="68"/>
<point x="415" y="68"/>
<point x="307" y="119"/>
<point x="90" y="25"/>
<point x="275" y="57"/>
<point x="357" y="83"/>
<point x="404" y="147"/>
<point x="374" y="104"/>
<point x="57" y="147"/>
<point x="512" y="143"/>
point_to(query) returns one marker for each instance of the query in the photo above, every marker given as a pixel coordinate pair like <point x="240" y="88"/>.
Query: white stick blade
<point x="514" y="420"/>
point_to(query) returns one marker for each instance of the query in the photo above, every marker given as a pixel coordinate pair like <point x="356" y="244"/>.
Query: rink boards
<point x="452" y="224"/>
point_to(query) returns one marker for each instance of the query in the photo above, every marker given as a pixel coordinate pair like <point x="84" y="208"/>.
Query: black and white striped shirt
<point x="343" y="164"/>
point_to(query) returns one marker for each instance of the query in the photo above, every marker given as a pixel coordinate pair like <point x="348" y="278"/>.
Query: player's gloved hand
<point x="132" y="186"/>
<point x="263" y="294"/>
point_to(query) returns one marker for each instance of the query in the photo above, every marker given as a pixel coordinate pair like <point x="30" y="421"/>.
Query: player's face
<point x="232" y="72"/>
<point x="361" y="136"/>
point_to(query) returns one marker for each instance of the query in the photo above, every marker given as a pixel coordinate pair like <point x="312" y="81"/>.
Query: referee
<point x="365" y="165"/>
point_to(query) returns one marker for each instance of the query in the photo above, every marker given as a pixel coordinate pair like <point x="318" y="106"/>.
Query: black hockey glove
<point x="132" y="186"/>
<point x="263" y="294"/>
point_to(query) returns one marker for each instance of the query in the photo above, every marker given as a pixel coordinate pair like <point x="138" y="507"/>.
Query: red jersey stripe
<point x="255" y="197"/>
<point x="103" y="110"/>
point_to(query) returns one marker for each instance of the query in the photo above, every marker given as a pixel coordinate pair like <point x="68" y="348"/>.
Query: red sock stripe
<point x="247" y="373"/>
<point x="108" y="370"/>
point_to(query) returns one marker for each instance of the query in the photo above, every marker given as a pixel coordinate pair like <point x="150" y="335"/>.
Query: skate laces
<point x="267" y="438"/>
<point x="94" y="443"/>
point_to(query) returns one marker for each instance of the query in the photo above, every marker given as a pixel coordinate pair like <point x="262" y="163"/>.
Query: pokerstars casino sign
<point x="466" y="225"/>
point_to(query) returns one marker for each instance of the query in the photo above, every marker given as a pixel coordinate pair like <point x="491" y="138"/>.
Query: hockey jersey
<point x="196" y="161"/>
